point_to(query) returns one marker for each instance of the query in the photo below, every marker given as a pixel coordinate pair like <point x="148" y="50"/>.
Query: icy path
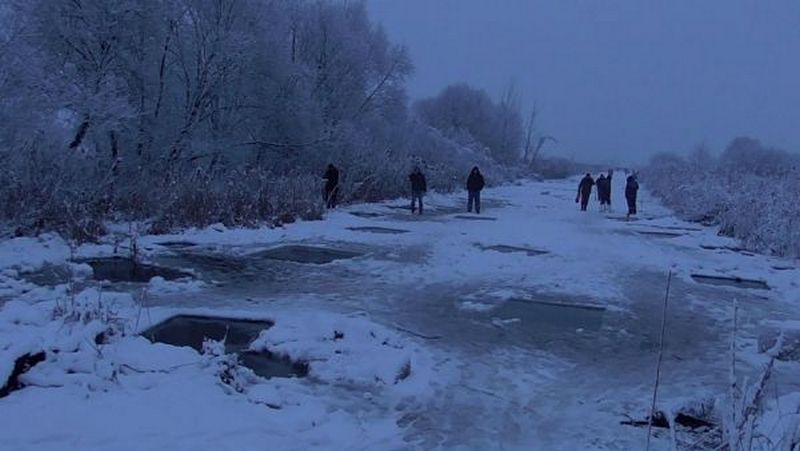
<point x="508" y="370"/>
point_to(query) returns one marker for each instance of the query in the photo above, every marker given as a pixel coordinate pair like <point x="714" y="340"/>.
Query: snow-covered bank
<point x="123" y="392"/>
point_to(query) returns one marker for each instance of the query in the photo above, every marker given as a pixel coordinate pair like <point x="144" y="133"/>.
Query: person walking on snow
<point x="631" y="191"/>
<point x="418" y="188"/>
<point x="585" y="191"/>
<point x="602" y="186"/>
<point x="475" y="184"/>
<point x="331" y="178"/>
<point x="608" y="189"/>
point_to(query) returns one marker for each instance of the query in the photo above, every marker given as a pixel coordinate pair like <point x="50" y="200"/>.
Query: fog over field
<point x="622" y="79"/>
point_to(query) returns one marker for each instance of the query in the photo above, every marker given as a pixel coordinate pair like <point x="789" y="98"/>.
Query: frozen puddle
<point x="374" y="229"/>
<point x="476" y="218"/>
<point x="736" y="282"/>
<point x="534" y="314"/>
<point x="119" y="269"/>
<point x="191" y="331"/>
<point x="306" y="254"/>
<point x="513" y="249"/>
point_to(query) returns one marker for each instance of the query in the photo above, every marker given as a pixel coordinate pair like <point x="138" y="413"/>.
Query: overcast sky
<point x="617" y="80"/>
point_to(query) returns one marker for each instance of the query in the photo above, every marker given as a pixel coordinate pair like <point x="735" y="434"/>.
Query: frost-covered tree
<point x="188" y="112"/>
<point x="467" y="113"/>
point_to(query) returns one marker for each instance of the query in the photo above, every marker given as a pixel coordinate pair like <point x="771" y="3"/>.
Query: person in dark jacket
<point x="585" y="191"/>
<point x="608" y="188"/>
<point x="475" y="184"/>
<point x="631" y="191"/>
<point x="602" y="186"/>
<point x="331" y="178"/>
<point x="418" y="188"/>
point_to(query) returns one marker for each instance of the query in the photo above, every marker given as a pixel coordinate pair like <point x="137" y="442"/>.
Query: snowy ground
<point x="496" y="361"/>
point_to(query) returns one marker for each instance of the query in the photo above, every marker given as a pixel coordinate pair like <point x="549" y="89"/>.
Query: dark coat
<point x="631" y="187"/>
<point x="418" y="183"/>
<point x="475" y="181"/>
<point x="331" y="178"/>
<point x="585" y="187"/>
<point x="602" y="187"/>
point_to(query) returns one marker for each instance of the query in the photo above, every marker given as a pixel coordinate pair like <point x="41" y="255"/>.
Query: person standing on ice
<point x="585" y="191"/>
<point x="631" y="191"/>
<point x="418" y="188"/>
<point x="475" y="184"/>
<point x="331" y="178"/>
<point x="602" y="186"/>
<point x="608" y="189"/>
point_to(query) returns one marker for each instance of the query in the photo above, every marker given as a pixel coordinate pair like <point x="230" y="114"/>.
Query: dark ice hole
<point x="365" y="214"/>
<point x="678" y="228"/>
<point x="190" y="330"/>
<point x="48" y="275"/>
<point x="476" y="218"/>
<point x="659" y="420"/>
<point x="266" y="364"/>
<point x="723" y="248"/>
<point x="217" y="263"/>
<point x="736" y="282"/>
<point x="306" y="254"/>
<point x="534" y="313"/>
<point x="177" y="244"/>
<point x="659" y="234"/>
<point x="512" y="249"/>
<point x="119" y="269"/>
<point x="372" y="229"/>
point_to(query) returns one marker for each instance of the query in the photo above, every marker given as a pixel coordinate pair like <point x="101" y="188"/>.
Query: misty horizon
<point x="616" y="82"/>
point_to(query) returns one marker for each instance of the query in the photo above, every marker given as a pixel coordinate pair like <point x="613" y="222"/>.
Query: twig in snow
<point x="660" y="357"/>
<point x="732" y="421"/>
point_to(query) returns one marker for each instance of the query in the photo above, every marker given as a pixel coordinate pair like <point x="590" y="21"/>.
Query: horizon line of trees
<point x="191" y="112"/>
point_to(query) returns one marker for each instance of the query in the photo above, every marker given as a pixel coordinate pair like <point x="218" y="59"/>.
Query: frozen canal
<point x="535" y="329"/>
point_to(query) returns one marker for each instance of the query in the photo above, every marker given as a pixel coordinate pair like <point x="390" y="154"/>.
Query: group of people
<point x="419" y="186"/>
<point x="475" y="184"/>
<point x="603" y="184"/>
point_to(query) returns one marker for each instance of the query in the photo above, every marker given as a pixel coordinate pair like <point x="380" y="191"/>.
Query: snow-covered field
<point x="427" y="339"/>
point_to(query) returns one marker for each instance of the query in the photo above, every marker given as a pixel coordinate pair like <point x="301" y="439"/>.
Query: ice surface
<point x="376" y="229"/>
<point x="119" y="269"/>
<point x="306" y="254"/>
<point x="409" y="345"/>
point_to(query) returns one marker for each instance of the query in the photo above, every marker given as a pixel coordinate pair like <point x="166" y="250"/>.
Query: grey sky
<point x="617" y="80"/>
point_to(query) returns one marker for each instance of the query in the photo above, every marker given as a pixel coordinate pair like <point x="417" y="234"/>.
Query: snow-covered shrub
<point x="749" y="192"/>
<point x="346" y="350"/>
<point x="72" y="333"/>
<point x="232" y="376"/>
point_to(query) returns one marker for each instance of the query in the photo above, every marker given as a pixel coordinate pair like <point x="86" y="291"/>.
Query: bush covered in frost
<point x="749" y="191"/>
<point x="193" y="113"/>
